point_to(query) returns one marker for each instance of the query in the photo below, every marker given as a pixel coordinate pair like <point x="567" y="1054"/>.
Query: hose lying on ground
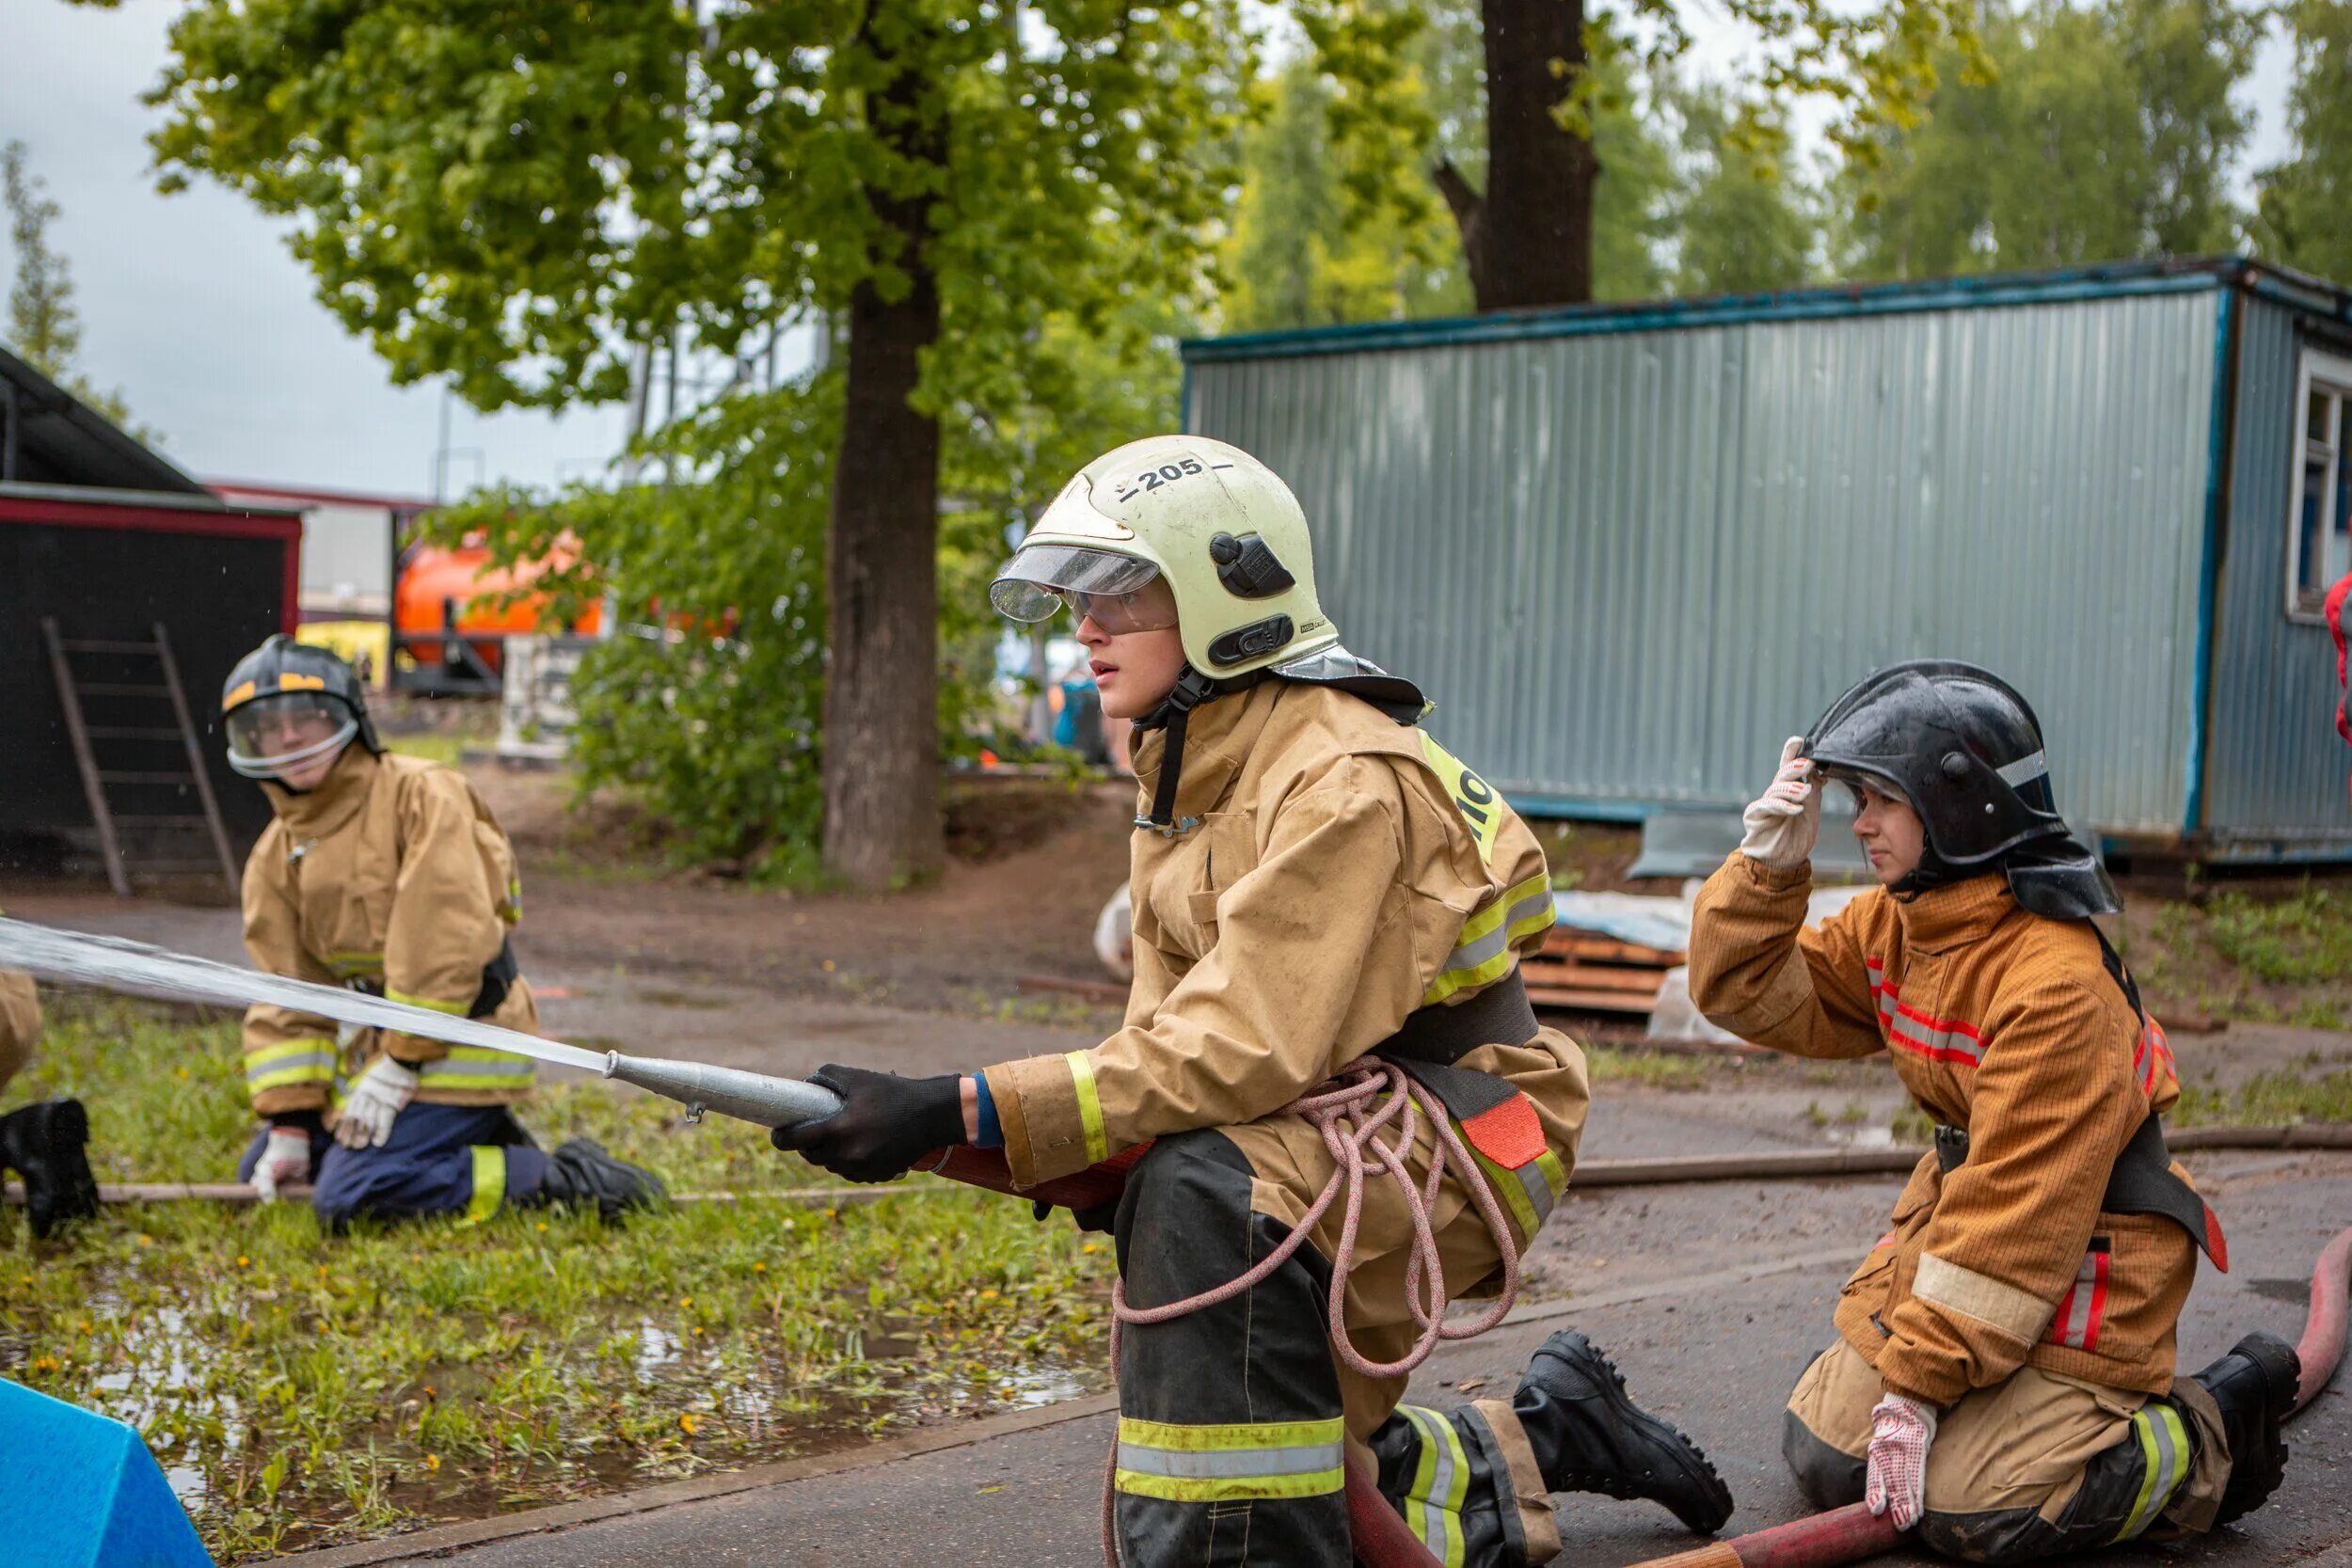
<point x="1794" y="1166"/>
<point x="1853" y="1535"/>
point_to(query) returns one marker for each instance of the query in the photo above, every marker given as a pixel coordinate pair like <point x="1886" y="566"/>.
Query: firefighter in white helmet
<point x="1315" y="881"/>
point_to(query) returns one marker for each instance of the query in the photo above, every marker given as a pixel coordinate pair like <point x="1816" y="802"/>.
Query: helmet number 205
<point x="1167" y="473"/>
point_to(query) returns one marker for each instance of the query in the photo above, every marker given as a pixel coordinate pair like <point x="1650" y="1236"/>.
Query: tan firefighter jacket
<point x="2007" y="1025"/>
<point x="20" y="1021"/>
<point x="393" y="876"/>
<point x="1345" y="872"/>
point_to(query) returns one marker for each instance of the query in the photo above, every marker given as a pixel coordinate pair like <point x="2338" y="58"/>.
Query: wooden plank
<point x="230" y="870"/>
<point x="1592" y="1000"/>
<point x="70" y="699"/>
<point x="1583" y="945"/>
<point x="1645" y="982"/>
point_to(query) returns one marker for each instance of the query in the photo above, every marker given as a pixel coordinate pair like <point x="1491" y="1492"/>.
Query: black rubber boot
<point x="1589" y="1437"/>
<point x="44" y="1145"/>
<point x="2255" y="1385"/>
<point x="580" y="1172"/>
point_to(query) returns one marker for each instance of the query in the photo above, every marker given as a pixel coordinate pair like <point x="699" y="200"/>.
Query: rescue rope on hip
<point x="1351" y="1111"/>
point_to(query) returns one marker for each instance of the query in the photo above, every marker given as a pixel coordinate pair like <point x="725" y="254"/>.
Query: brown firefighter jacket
<point x="2007" y="1025"/>
<point x="20" y="1021"/>
<point x="1345" y="872"/>
<point x="391" y="875"/>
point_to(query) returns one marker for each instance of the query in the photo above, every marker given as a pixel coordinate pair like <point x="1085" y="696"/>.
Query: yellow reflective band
<point x="1473" y="797"/>
<point x="1433" y="1502"/>
<point x="1089" y="1107"/>
<point x="1245" y="1462"/>
<point x="1506" y="1185"/>
<point x="289" y="1062"/>
<point x="455" y="1010"/>
<point x="348" y="964"/>
<point x="2164" y="1455"/>
<point x="242" y="691"/>
<point x="476" y="1068"/>
<point x="1486" y="948"/>
<point x="490" y="1183"/>
<point x="291" y="681"/>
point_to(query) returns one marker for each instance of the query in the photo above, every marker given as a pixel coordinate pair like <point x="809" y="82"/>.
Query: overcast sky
<point x="193" y="310"/>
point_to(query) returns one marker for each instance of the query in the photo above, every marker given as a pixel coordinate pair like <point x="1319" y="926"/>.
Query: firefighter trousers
<point x="1236" y="1420"/>
<point x="2035" y="1467"/>
<point x="440" y="1160"/>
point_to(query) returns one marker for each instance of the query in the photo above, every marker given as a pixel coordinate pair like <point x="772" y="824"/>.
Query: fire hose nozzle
<point x="752" y="1097"/>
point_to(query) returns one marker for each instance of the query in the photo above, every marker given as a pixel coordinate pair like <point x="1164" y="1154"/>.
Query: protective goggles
<point x="1120" y="593"/>
<point x="273" y="733"/>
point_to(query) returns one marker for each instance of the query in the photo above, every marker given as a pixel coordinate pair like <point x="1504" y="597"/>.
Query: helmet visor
<point x="1119" y="592"/>
<point x="273" y="733"/>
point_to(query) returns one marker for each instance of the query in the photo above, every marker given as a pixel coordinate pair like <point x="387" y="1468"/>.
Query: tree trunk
<point x="1529" y="239"/>
<point x="882" y="574"/>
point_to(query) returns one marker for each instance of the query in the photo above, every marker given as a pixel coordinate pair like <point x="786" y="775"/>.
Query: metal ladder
<point x="125" y="698"/>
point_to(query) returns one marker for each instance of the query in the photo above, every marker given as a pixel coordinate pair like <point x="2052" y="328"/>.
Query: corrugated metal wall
<point x="2277" y="768"/>
<point x="1627" y="565"/>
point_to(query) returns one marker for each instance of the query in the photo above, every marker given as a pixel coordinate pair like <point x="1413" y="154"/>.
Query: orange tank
<point x="431" y="575"/>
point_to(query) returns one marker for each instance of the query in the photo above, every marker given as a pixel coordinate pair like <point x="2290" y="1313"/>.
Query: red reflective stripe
<point x="1953" y="1026"/>
<point x="2098" y="1302"/>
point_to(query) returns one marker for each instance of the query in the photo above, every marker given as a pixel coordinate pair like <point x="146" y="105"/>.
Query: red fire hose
<point x="1851" y="1535"/>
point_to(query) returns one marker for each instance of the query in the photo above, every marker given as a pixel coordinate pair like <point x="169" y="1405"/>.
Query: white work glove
<point x="285" y="1161"/>
<point x="1785" y="822"/>
<point x="374" y="1101"/>
<point x="1900" y="1430"/>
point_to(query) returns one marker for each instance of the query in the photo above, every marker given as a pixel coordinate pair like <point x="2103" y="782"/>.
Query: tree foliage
<point x="524" y="196"/>
<point x="1745" y="218"/>
<point x="1529" y="221"/>
<point x="44" y="328"/>
<point x="2301" y="203"/>
<point x="2107" y="134"/>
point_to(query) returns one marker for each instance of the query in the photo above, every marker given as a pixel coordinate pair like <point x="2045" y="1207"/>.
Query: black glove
<point x="884" y="1125"/>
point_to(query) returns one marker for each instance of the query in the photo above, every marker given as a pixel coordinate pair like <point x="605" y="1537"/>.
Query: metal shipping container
<point x="1629" y="548"/>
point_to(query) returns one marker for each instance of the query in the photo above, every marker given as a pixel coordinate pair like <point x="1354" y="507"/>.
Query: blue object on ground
<point x="81" y="1491"/>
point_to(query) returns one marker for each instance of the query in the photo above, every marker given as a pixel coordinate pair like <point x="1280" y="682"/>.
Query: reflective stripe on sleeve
<point x="1231" y="1464"/>
<point x="2164" y="1450"/>
<point x="1483" y="953"/>
<point x="301" y="1061"/>
<point x="1529" y="1193"/>
<point x="476" y="1068"/>
<point x="1089" y="1107"/>
<point x="455" y="1010"/>
<point x="1433" y="1501"/>
<point x="490" y="1183"/>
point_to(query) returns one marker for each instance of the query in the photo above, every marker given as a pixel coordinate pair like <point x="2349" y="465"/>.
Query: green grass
<point x="302" y="1390"/>
<point x="1657" y="1070"/>
<point x="2253" y="958"/>
<point x="2267" y="1099"/>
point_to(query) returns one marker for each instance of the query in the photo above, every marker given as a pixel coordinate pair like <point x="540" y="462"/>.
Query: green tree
<point x="2301" y="204"/>
<point x="1747" y="221"/>
<point x="2106" y="135"/>
<point x="526" y="196"/>
<point x="1528" y="222"/>
<point x="1306" y="250"/>
<point x="44" y="328"/>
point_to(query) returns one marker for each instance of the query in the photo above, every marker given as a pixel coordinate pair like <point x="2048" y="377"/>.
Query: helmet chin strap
<point x="1191" y="689"/>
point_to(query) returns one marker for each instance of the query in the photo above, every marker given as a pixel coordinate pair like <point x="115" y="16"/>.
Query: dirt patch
<point x="1037" y="859"/>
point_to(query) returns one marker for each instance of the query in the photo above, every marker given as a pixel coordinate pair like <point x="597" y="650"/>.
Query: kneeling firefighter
<point x="1319" y="889"/>
<point x="387" y="874"/>
<point x="2003" y="1377"/>
<point x="43" y="1144"/>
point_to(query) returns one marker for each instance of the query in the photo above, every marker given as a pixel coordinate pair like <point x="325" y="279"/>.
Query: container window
<point x="2319" y="523"/>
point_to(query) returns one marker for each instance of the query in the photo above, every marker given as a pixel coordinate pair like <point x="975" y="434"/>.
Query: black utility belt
<point x="1442" y="1035"/>
<point x="2141" y="1182"/>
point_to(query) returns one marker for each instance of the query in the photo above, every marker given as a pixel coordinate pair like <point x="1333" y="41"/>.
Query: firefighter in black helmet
<point x="388" y="874"/>
<point x="2003" y="1375"/>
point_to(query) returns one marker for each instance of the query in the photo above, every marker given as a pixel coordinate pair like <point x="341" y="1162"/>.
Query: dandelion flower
<point x="686" y="1423"/>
